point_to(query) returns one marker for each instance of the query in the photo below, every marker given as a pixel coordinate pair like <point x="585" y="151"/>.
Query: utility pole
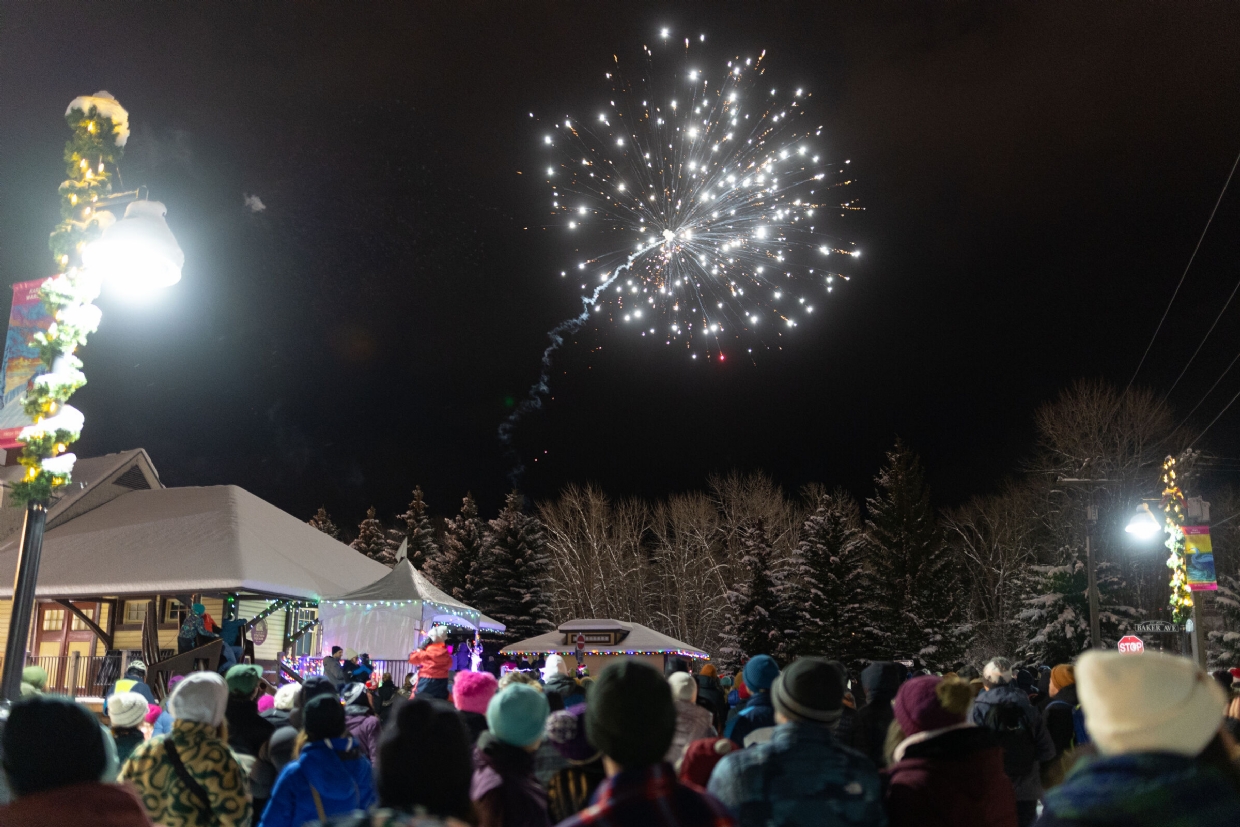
<point x="1095" y="621"/>
<point x="1199" y="510"/>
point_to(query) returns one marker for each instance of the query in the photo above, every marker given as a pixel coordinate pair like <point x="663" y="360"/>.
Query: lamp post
<point x="1091" y="520"/>
<point x="90" y="247"/>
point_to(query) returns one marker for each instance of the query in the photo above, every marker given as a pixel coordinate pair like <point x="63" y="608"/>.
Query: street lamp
<point x="91" y="248"/>
<point x="1143" y="523"/>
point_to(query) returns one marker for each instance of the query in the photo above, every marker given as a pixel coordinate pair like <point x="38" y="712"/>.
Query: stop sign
<point x="1131" y="645"/>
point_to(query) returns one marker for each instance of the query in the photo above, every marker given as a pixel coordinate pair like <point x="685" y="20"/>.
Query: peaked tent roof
<point x="404" y="582"/>
<point x="641" y="640"/>
<point x="168" y="540"/>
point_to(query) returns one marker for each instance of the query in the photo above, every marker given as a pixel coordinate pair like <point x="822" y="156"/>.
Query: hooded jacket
<point x="99" y="805"/>
<point x="434" y="661"/>
<point x="692" y="722"/>
<point x="1028" y="785"/>
<point x="567" y="688"/>
<point x="951" y="778"/>
<point x="247" y="730"/>
<point x="209" y="761"/>
<point x="869" y="731"/>
<point x="504" y="789"/>
<point x="711" y="697"/>
<point x="756" y="713"/>
<point x="365" y="727"/>
<point x="335" y="769"/>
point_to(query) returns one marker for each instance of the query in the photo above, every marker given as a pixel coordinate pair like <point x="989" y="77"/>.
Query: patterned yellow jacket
<point x="209" y="761"/>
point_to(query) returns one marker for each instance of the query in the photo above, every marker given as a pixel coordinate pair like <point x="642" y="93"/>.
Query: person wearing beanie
<point x="558" y="678"/>
<point x="570" y="789"/>
<point x="361" y="721"/>
<point x="504" y="788"/>
<point x="1064" y="721"/>
<point x="34" y="681"/>
<point x="197" y="747"/>
<point x="471" y="692"/>
<point x="434" y="663"/>
<point x="282" y="704"/>
<point x="126" y="713"/>
<point x="332" y="669"/>
<point x="247" y="730"/>
<point x="803" y="775"/>
<point x="1005" y="710"/>
<point x="330" y="776"/>
<point x="1154" y="720"/>
<point x="701" y="758"/>
<point x="134" y="680"/>
<point x="757" y="712"/>
<point x="194" y="629"/>
<point x="55" y="763"/>
<point x="692" y="721"/>
<point x="385" y="696"/>
<point x="880" y="681"/>
<point x="944" y="771"/>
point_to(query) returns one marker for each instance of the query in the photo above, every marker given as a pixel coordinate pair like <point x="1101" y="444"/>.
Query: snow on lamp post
<point x="136" y="254"/>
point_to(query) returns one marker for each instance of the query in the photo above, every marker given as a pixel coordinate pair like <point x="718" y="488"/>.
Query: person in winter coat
<point x="362" y="723"/>
<point x="282" y="706"/>
<point x="558" y="678"/>
<point x="126" y="713"/>
<point x="1064" y="722"/>
<point x="133" y="681"/>
<point x="570" y="789"/>
<point x="504" y="789"/>
<point x="1004" y="708"/>
<point x="194" y="628"/>
<point x="944" y="771"/>
<point x="692" y="721"/>
<point x="210" y="789"/>
<point x="471" y="692"/>
<point x="330" y="775"/>
<point x="332" y="670"/>
<point x="1154" y="720"/>
<point x="55" y="760"/>
<point x="803" y="775"/>
<point x="758" y="712"/>
<point x="247" y="730"/>
<point x="880" y="680"/>
<point x="385" y="696"/>
<point x="434" y="663"/>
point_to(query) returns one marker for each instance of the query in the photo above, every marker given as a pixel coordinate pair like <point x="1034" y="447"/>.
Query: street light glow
<point x="1143" y="524"/>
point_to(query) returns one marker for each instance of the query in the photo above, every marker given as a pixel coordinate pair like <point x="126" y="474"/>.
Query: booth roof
<point x="641" y="640"/>
<point x="404" y="583"/>
<point x="169" y="540"/>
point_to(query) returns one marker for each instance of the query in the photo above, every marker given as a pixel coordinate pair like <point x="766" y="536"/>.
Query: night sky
<point x="1035" y="177"/>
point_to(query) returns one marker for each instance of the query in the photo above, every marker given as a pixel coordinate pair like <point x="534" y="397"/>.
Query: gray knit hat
<point x="811" y="689"/>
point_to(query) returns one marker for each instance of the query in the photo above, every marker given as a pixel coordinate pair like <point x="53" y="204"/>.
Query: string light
<point x="1173" y="505"/>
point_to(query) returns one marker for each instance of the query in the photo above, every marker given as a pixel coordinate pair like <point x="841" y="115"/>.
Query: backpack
<point x="1007" y="719"/>
<point x="1080" y="736"/>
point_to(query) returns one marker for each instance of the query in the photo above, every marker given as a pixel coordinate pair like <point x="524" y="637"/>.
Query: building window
<point x="77" y="625"/>
<point x="53" y="620"/>
<point x="135" y="611"/>
<point x="172" y="610"/>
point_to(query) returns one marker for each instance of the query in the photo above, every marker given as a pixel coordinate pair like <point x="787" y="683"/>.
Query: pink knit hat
<point x="152" y="713"/>
<point x="921" y="705"/>
<point x="266" y="702"/>
<point x="472" y="691"/>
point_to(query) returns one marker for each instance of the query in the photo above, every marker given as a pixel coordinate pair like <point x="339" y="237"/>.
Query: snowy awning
<point x="630" y="639"/>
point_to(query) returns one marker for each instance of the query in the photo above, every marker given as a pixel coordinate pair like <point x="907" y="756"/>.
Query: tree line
<point x="743" y="568"/>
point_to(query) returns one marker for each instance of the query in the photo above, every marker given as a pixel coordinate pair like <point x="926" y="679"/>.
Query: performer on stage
<point x="435" y="664"/>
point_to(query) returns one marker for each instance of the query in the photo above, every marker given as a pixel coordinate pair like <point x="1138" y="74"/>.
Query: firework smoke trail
<point x="718" y="195"/>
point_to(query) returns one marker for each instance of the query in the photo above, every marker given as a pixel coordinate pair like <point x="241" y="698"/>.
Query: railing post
<point x="74" y="661"/>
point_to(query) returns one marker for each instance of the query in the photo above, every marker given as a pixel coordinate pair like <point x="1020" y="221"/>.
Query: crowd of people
<point x="1114" y="739"/>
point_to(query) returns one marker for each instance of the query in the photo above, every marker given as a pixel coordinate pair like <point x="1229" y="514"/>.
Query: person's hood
<point x="882" y="678"/>
<point x="1003" y="693"/>
<point x="327" y="773"/>
<point x="355" y="712"/>
<point x="954" y="744"/>
<point x="1145" y="789"/>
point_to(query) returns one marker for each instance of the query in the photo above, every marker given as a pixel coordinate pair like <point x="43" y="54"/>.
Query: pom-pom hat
<point x="472" y="691"/>
<point x="927" y="703"/>
<point x="127" y="710"/>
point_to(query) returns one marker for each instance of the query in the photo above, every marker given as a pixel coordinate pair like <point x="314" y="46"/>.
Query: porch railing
<point x="76" y="675"/>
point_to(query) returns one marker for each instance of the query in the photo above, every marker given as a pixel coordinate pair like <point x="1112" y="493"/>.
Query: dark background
<point x="1035" y="177"/>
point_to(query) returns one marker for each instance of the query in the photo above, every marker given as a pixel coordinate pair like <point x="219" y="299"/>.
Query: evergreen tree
<point x="392" y="540"/>
<point x="835" y="598"/>
<point x="465" y="539"/>
<point x="916" y="584"/>
<point x="1224" y="646"/>
<point x="508" y="582"/>
<point x="418" y="529"/>
<point x="371" y="539"/>
<point x="324" y="523"/>
<point x="1057" y="608"/>
<point x="759" y="627"/>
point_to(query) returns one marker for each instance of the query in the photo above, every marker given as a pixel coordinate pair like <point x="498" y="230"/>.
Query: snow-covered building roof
<point x="604" y="636"/>
<point x="405" y="584"/>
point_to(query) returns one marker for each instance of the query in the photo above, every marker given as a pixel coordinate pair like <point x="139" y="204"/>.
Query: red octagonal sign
<point x="1131" y="645"/>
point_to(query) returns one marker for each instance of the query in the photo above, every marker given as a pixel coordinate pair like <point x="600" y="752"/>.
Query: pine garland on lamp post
<point x="1173" y="504"/>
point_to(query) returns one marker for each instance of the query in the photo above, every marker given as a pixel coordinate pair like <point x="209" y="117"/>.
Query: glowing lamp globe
<point x="1143" y="523"/>
<point x="137" y="254"/>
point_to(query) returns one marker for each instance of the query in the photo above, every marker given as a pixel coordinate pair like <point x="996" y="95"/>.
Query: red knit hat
<point x="701" y="757"/>
<point x="920" y="705"/>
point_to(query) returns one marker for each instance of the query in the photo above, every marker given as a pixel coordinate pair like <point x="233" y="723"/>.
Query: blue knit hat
<point x="760" y="673"/>
<point x="517" y="715"/>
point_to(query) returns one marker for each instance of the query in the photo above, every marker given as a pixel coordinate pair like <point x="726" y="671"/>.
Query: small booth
<point x="389" y="618"/>
<point x="601" y="640"/>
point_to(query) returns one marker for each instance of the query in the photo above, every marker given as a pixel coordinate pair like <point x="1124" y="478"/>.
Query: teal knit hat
<point x="517" y="715"/>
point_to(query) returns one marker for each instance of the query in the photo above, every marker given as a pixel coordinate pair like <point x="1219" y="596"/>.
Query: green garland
<point x="90" y="157"/>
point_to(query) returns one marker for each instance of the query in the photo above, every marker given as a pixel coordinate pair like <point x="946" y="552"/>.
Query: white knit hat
<point x="201" y="697"/>
<point x="554" y="665"/>
<point x="438" y="634"/>
<point x="126" y="710"/>
<point x="684" y="687"/>
<point x="286" y="696"/>
<point x="1150" y="702"/>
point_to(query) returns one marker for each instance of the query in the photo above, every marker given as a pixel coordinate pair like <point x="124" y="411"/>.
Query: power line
<point x="1207" y="393"/>
<point x="1203" y="338"/>
<point x="1183" y="276"/>
<point x="1215" y="419"/>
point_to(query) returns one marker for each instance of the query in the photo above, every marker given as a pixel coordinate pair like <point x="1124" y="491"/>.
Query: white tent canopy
<point x="388" y="618"/>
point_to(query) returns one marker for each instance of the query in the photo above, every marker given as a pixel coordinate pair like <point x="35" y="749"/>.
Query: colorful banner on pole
<point x="21" y="358"/>
<point x="1199" y="558"/>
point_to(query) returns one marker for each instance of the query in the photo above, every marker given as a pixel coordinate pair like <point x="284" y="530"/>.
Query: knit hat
<point x="701" y="757"/>
<point x="472" y="691"/>
<point x="316" y="685"/>
<point x="709" y="671"/>
<point x="52" y="742"/>
<point x="323" y="718"/>
<point x="36" y="676"/>
<point x="353" y="693"/>
<point x="153" y="711"/>
<point x="438" y="634"/>
<point x="684" y="687"/>
<point x="518" y="715"/>
<point x="554" y="665"/>
<point x="243" y="678"/>
<point x="927" y="703"/>
<point x="630" y="716"/>
<point x="126" y="710"/>
<point x="760" y="672"/>
<point x="286" y="696"/>
<point x="201" y="697"/>
<point x="1149" y="702"/>
<point x="566" y="730"/>
<point x="350" y="654"/>
<point x="1063" y="675"/>
<point x="266" y="702"/>
<point x="811" y="689"/>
